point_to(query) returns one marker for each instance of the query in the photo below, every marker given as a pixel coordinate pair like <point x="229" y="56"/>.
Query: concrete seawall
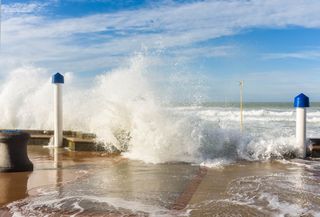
<point x="75" y="141"/>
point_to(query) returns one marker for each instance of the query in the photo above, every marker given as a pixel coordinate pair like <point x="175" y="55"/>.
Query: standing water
<point x="176" y="160"/>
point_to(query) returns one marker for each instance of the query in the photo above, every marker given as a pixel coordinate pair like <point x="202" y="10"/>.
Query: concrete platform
<point x="75" y="141"/>
<point x="314" y="148"/>
<point x="212" y="195"/>
<point x="80" y="144"/>
<point x="104" y="185"/>
<point x="95" y="184"/>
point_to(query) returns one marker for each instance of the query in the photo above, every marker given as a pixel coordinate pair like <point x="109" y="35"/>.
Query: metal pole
<point x="241" y="106"/>
<point x="301" y="131"/>
<point x="58" y="80"/>
<point x="301" y="102"/>
<point x="57" y="115"/>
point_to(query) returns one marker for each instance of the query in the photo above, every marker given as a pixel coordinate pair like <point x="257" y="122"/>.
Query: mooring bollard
<point x="58" y="80"/>
<point x="13" y="151"/>
<point x="301" y="102"/>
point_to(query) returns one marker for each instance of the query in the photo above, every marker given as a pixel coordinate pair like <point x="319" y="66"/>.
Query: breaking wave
<point x="124" y="109"/>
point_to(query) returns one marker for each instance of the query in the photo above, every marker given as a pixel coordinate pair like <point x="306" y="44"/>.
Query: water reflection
<point x="13" y="186"/>
<point x="56" y="154"/>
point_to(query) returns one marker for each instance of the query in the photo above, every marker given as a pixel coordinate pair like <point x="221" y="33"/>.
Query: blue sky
<point x="274" y="45"/>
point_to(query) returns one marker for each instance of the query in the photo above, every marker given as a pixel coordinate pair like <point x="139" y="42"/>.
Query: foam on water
<point x="79" y="202"/>
<point x="216" y="163"/>
<point x="124" y="108"/>
<point x="75" y="205"/>
<point x="277" y="195"/>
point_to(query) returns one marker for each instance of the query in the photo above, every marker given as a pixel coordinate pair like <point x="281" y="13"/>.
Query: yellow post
<point x="241" y="106"/>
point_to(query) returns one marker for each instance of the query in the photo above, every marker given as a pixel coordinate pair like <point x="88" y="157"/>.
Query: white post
<point x="58" y="80"/>
<point x="301" y="131"/>
<point x="301" y="102"/>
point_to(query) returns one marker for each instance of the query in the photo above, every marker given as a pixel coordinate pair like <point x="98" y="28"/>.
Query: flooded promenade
<point x="68" y="183"/>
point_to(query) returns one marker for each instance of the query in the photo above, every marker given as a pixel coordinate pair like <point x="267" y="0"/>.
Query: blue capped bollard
<point x="57" y="81"/>
<point x="13" y="151"/>
<point x="301" y="102"/>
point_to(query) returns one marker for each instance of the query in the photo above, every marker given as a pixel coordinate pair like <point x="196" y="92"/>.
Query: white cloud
<point x="99" y="40"/>
<point x="9" y="10"/>
<point x="188" y="53"/>
<point x="306" y="55"/>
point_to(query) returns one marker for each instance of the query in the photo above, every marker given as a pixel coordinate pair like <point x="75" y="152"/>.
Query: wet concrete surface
<point x="272" y="188"/>
<point x="105" y="184"/>
<point x="68" y="183"/>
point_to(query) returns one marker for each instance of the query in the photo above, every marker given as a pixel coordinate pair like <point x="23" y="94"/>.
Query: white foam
<point x="34" y="206"/>
<point x="218" y="163"/>
<point x="283" y="208"/>
<point x="76" y="206"/>
<point x="277" y="194"/>
<point x="123" y="108"/>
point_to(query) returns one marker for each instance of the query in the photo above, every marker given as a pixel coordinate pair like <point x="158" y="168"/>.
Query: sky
<point x="206" y="46"/>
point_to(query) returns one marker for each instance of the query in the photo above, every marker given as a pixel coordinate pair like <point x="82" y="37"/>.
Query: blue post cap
<point x="57" y="78"/>
<point x="301" y="101"/>
<point x="10" y="131"/>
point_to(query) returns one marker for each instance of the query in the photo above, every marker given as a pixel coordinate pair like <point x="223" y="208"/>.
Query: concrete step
<point x="79" y="144"/>
<point x="75" y="141"/>
<point x="314" y="148"/>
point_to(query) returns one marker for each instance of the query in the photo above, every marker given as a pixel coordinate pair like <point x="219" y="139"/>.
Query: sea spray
<point x="25" y="97"/>
<point x="124" y="109"/>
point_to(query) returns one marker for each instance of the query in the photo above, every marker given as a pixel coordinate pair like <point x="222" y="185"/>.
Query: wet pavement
<point x="68" y="183"/>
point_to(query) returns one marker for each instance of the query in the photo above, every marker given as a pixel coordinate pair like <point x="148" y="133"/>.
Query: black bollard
<point x="13" y="151"/>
